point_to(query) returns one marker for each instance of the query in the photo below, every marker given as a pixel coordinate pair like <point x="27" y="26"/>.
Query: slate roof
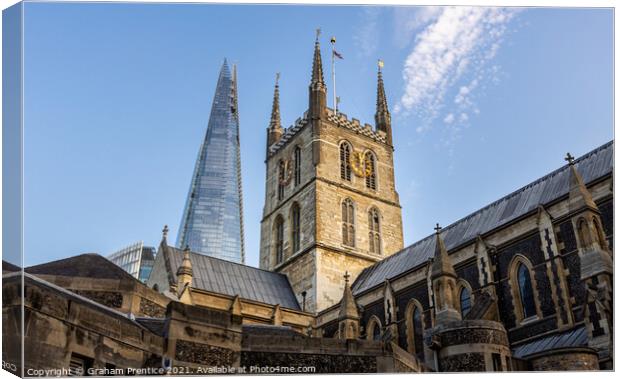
<point x="592" y="166"/>
<point x="573" y="338"/>
<point x="84" y="265"/>
<point x="230" y="278"/>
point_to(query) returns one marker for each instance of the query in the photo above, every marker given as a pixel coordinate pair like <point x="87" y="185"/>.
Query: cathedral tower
<point x="330" y="202"/>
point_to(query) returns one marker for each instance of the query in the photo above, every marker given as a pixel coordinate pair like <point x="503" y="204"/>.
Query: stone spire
<point x="348" y="306"/>
<point x="275" y="125"/>
<point x="185" y="272"/>
<point x="318" y="90"/>
<point x="596" y="263"/>
<point x="383" y="120"/>
<point x="441" y="260"/>
<point x="444" y="283"/>
<point x="579" y="196"/>
<point x="348" y="317"/>
<point x="317" y="81"/>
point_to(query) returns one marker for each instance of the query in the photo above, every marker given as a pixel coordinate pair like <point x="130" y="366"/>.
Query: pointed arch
<point x="295" y="227"/>
<point x="373" y="328"/>
<point x="465" y="296"/>
<point x="374" y="231"/>
<point x="297" y="158"/>
<point x="583" y="231"/>
<point x="278" y="238"/>
<point x="348" y="222"/>
<point x="281" y="178"/>
<point x="370" y="169"/>
<point x="524" y="289"/>
<point x="345" y="160"/>
<point x="414" y="326"/>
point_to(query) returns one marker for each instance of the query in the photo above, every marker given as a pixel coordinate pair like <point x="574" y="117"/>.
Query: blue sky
<point x="117" y="98"/>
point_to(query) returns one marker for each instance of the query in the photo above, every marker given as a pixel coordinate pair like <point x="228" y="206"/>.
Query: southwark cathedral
<point x="522" y="284"/>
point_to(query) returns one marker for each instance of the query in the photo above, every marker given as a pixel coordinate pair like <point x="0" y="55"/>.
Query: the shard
<point x="212" y="222"/>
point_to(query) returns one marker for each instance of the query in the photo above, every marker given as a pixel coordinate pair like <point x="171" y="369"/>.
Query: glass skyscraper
<point x="136" y="259"/>
<point x="212" y="222"/>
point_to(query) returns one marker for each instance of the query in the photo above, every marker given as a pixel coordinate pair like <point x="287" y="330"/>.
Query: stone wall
<point x="566" y="360"/>
<point x="325" y="355"/>
<point x="472" y="345"/>
<point x="61" y="324"/>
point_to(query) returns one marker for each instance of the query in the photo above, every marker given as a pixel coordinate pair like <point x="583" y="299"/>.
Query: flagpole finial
<point x="333" y="40"/>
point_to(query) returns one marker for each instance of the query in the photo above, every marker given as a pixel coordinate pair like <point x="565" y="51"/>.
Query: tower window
<point x="295" y="226"/>
<point x="525" y="291"/>
<point x="345" y="161"/>
<point x="348" y="223"/>
<point x="374" y="233"/>
<point x="297" y="165"/>
<point x="279" y="234"/>
<point x="370" y="170"/>
<point x="281" y="178"/>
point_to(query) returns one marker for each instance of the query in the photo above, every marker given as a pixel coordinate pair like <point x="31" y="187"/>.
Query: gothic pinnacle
<point x="317" y="65"/>
<point x="276" y="122"/>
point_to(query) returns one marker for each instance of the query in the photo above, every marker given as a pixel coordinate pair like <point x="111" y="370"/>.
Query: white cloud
<point x="455" y="45"/>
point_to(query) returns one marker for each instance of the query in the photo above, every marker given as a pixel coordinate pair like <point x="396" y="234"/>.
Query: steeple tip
<point x="383" y="119"/>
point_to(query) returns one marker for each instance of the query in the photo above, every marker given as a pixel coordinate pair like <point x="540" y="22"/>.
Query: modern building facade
<point x="212" y="222"/>
<point x="136" y="259"/>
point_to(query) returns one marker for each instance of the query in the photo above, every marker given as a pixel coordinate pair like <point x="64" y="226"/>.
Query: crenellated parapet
<point x="353" y="124"/>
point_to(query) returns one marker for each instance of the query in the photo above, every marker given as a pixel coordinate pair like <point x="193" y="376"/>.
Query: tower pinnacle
<point x="275" y="124"/>
<point x="383" y="119"/>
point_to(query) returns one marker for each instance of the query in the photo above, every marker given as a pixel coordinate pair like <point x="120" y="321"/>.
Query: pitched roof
<point x="230" y="278"/>
<point x="573" y="338"/>
<point x="84" y="265"/>
<point x="592" y="166"/>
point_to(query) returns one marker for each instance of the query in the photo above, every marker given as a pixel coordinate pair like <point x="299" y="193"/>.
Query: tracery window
<point x="295" y="227"/>
<point x="345" y="161"/>
<point x="370" y="170"/>
<point x="374" y="233"/>
<point x="297" y="165"/>
<point x="279" y="237"/>
<point x="348" y="222"/>
<point x="281" y="178"/>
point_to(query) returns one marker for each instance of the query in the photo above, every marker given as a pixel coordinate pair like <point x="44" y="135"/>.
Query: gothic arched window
<point x="281" y="177"/>
<point x="414" y="324"/>
<point x="348" y="222"/>
<point x="295" y="227"/>
<point x="297" y="165"/>
<point x="370" y="170"/>
<point x="374" y="231"/>
<point x="345" y="161"/>
<point x="279" y="238"/>
<point x="465" y="300"/>
<point x="373" y="329"/>
<point x="526" y="291"/>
